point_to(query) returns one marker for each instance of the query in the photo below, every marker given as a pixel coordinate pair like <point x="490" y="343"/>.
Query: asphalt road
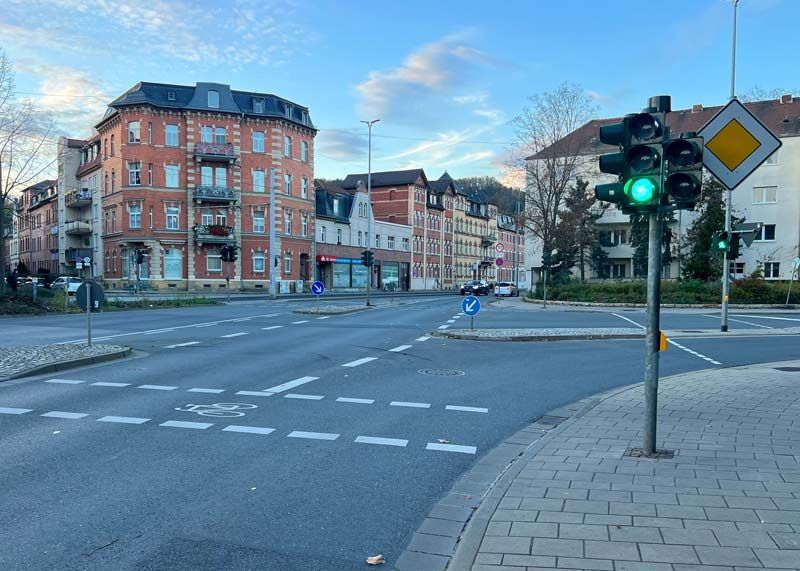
<point x="350" y="427"/>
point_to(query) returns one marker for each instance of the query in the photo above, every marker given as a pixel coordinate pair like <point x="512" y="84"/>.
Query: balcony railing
<point x="488" y="239"/>
<point x="78" y="227"/>
<point x="82" y="197"/>
<point x="209" y="193"/>
<point x="72" y="254"/>
<point x="215" y="151"/>
<point x="214" y="233"/>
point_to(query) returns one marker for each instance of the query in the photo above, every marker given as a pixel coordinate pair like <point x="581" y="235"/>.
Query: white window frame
<point x="287" y="222"/>
<point x="213" y="99"/>
<point x="168" y="136"/>
<point x="134" y="167"/>
<point x="259" y="223"/>
<point x="258" y="141"/>
<point x="405" y="244"/>
<point x="224" y="172"/>
<point x="304" y="187"/>
<point x="206" y="134"/>
<point x="287" y="146"/>
<point x="304" y="151"/>
<point x="259" y="256"/>
<point x="220" y="135"/>
<point x="390" y="242"/>
<point x="174" y="171"/>
<point x="134" y="132"/>
<point x="339" y="236"/>
<point x="135" y="216"/>
<point x="259" y="181"/>
<point x="173" y="214"/>
<point x="768" y="270"/>
<point x="258" y="105"/>
<point x="213" y="256"/>
<point x="761" y="236"/>
<point x="764" y="191"/>
<point x="287" y="263"/>
<point x="206" y="218"/>
<point x="323" y="231"/>
<point x="304" y="225"/>
<point x="360" y="237"/>
<point x="377" y="240"/>
<point x="287" y="183"/>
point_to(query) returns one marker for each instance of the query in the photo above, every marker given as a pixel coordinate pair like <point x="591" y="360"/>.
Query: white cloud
<point x="471" y="98"/>
<point x="341" y="145"/>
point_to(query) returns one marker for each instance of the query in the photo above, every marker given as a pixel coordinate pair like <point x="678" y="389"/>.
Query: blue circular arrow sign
<point x="318" y="288"/>
<point x="470" y="305"/>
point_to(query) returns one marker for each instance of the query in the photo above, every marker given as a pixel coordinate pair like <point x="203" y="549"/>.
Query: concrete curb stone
<point x="65" y="364"/>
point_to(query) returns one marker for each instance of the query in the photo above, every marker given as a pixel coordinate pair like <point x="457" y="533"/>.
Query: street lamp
<point x="369" y="125"/>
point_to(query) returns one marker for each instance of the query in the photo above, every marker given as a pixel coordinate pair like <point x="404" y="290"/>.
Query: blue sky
<point x="444" y="77"/>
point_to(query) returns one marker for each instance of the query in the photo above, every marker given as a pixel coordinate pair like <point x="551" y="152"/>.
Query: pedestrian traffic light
<point x="684" y="158"/>
<point x="643" y="160"/>
<point x="720" y="242"/>
<point x="367" y="258"/>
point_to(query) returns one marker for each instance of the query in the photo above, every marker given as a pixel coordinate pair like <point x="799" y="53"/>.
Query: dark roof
<point x="196" y="98"/>
<point x="783" y="119"/>
<point x="75" y="143"/>
<point x="445" y="181"/>
<point x="324" y="195"/>
<point x="387" y="178"/>
<point x="506" y="222"/>
<point x="41" y="186"/>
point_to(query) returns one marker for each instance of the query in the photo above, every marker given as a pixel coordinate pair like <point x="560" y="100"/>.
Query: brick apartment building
<point x="511" y="237"/>
<point x="36" y="229"/>
<point x="186" y="170"/>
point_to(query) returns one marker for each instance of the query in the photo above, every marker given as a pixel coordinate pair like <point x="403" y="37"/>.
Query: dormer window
<point x="258" y="105"/>
<point x="288" y="111"/>
<point x="213" y="99"/>
<point x="170" y="96"/>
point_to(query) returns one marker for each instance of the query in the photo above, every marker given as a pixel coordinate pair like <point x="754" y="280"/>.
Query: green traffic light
<point x="722" y="244"/>
<point x="640" y="190"/>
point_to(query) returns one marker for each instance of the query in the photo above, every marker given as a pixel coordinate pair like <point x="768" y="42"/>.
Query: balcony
<point x="78" y="198"/>
<point x="208" y="193"/>
<point x="214" y="152"/>
<point x="214" y="233"/>
<point x="487" y="260"/>
<point x="72" y="254"/>
<point x="488" y="240"/>
<point x="77" y="228"/>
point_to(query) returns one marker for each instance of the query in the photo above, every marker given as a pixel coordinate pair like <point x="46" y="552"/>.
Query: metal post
<point x="228" y="280"/>
<point x="272" y="246"/>
<point x="369" y="125"/>
<point x="653" y="332"/>
<point x="544" y="282"/>
<point x="89" y="313"/>
<point x="726" y="271"/>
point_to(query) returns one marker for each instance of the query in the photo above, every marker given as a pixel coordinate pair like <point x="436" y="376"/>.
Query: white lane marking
<point x="451" y="321"/>
<point x="629" y="320"/>
<point x="456" y="316"/>
<point x="61" y="414"/>
<point x="324" y="317"/>
<point x="232" y="335"/>
<point x="312" y="435"/>
<point x="695" y="353"/>
<point x="358" y="362"/>
<point x="400" y="348"/>
<point x="206" y="325"/>
<point x="271" y="327"/>
<point x="184" y="424"/>
<point x="64" y="381"/>
<point x="254" y="393"/>
<point x="466" y="408"/>
<point x="410" y="404"/>
<point x="157" y="387"/>
<point x="157" y="331"/>
<point x="241" y="319"/>
<point x="423" y="338"/>
<point x="383" y="441"/>
<point x="740" y="321"/>
<point x="187" y="344"/>
<point x="271" y="315"/>
<point x="290" y="384"/>
<point x="12" y="410"/>
<point x="767" y="317"/>
<point x="210" y="391"/>
<point x="443" y="326"/>
<point x="299" y="322"/>
<point x="303" y="397"/>
<point x="355" y="401"/>
<point x="248" y="429"/>
<point x="123" y="419"/>
<point x="451" y="448"/>
<point x="108" y="384"/>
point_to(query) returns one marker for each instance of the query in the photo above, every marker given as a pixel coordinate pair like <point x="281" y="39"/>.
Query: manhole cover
<point x="787" y="369"/>
<point x="442" y="372"/>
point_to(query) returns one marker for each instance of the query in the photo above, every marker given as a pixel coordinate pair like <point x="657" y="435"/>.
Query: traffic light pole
<point x="653" y="331"/>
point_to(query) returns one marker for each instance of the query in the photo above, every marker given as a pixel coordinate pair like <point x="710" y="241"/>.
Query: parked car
<point x="506" y="288"/>
<point x="475" y="287"/>
<point x="68" y="283"/>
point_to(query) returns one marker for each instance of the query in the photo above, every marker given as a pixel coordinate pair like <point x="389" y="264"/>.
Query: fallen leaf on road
<point x="376" y="560"/>
<point x="443" y="441"/>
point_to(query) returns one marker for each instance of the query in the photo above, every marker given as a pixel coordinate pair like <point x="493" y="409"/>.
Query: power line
<point x="422" y="139"/>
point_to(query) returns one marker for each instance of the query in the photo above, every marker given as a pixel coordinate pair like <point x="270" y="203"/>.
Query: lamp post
<point x="369" y="125"/>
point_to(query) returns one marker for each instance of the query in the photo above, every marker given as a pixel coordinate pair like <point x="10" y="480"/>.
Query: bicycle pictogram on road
<point x="219" y="410"/>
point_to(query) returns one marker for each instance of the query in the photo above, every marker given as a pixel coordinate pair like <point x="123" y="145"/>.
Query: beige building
<point x="475" y="223"/>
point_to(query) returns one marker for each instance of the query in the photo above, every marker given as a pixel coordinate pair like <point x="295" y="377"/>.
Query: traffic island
<point x="27" y="360"/>
<point x="332" y="309"/>
<point x="542" y="334"/>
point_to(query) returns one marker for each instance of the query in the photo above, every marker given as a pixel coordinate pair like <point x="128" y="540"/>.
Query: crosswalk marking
<point x="291" y="384"/>
<point x="451" y="448"/>
<point x="312" y="435"/>
<point x="400" y="349"/>
<point x="12" y="410"/>
<point x="443" y="327"/>
<point x="64" y="381"/>
<point x="61" y="414"/>
<point x="358" y="362"/>
<point x="423" y="338"/>
<point x="123" y="419"/>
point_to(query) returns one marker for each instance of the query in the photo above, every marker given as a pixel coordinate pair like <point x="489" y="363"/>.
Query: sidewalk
<point x="729" y="500"/>
<point x="26" y="360"/>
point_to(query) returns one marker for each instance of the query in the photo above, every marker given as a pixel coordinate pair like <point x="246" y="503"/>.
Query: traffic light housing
<point x="684" y="177"/>
<point x="367" y="258"/>
<point x="643" y="160"/>
<point x="734" y="250"/>
<point x="229" y="254"/>
<point x="613" y="163"/>
<point x="721" y="242"/>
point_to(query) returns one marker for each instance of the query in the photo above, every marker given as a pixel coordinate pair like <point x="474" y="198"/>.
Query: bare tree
<point x="23" y="135"/>
<point x="551" y="160"/>
<point x="758" y="93"/>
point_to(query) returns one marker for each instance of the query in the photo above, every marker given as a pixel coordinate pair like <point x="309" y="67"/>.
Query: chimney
<point x="697" y="108"/>
<point x="786" y="98"/>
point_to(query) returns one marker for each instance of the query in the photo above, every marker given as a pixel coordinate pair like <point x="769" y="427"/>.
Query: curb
<point x="571" y="337"/>
<point x="323" y="312"/>
<point x="791" y="306"/>
<point x="70" y="364"/>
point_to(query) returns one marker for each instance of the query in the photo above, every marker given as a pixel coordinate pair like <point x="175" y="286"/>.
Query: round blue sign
<point x="318" y="288"/>
<point x="470" y="305"/>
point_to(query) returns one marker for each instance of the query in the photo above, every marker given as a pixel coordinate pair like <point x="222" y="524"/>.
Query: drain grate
<point x="788" y="369"/>
<point x="442" y="372"/>
<point x="690" y="331"/>
<point x="551" y="420"/>
<point x="658" y="455"/>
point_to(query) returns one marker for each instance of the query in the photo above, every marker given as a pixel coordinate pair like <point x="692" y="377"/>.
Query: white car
<point x="506" y="288"/>
<point x="68" y="283"/>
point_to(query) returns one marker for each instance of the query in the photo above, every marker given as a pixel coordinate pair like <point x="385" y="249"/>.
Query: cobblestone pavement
<point x="729" y="500"/>
<point x="16" y="360"/>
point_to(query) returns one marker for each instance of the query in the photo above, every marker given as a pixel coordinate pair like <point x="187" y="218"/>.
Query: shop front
<point x="340" y="273"/>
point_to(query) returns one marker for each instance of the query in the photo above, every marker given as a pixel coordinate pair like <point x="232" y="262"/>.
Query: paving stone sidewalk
<point x="29" y="359"/>
<point x="729" y="500"/>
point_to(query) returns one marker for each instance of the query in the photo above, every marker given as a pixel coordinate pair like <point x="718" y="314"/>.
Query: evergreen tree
<point x="577" y="229"/>
<point x="700" y="263"/>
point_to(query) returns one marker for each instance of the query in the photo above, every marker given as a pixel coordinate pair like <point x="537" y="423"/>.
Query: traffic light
<point x="367" y="258"/>
<point x="684" y="158"/>
<point x="228" y="253"/>
<point x="643" y="160"/>
<point x="733" y="251"/>
<point x="613" y="163"/>
<point x="721" y="242"/>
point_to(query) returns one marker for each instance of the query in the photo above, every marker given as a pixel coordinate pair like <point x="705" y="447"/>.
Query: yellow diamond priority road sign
<point x="736" y="143"/>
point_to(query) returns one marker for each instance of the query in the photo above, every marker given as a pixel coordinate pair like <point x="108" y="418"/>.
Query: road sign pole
<point x="472" y="324"/>
<point x="652" y="339"/>
<point x="726" y="266"/>
<point x="89" y="313"/>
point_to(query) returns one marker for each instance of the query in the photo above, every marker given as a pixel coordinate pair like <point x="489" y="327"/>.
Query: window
<point x="171" y="136"/>
<point x="304" y="225"/>
<point x="172" y="218"/>
<point x="360" y="236"/>
<point x="221" y="176"/>
<point x="405" y="244"/>
<point x="377" y="240"/>
<point x="170" y="96"/>
<point x="258" y="262"/>
<point x="258" y="141"/>
<point x="258" y="105"/>
<point x="149" y="133"/>
<point x="213" y="99"/>
<point x="304" y="187"/>
<point x="338" y="235"/>
<point x="287" y="183"/>
<point x="213" y="262"/>
<point x="219" y="135"/>
<point x="287" y="111"/>
<point x="772" y="270"/>
<point x="258" y="181"/>
<point x="105" y="148"/>
<point x="322" y="231"/>
<point x="737" y="268"/>
<point x="134" y="134"/>
<point x="390" y="242"/>
<point x="304" y="151"/>
<point x="207" y="218"/>
<point x="206" y="176"/>
<point x="171" y="175"/>
<point x="287" y="221"/>
<point x="287" y="146"/>
<point x="206" y="135"/>
<point x="287" y="263"/>
<point x="135" y="216"/>
<point x="222" y="219"/>
<point x="765" y="194"/>
<point x="259" y="224"/>
<point x="150" y="174"/>
<point x="767" y="233"/>
<point x="150" y="217"/>
<point x="112" y="145"/>
<point x="134" y="174"/>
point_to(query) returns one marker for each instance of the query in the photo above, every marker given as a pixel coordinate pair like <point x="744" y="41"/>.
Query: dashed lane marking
<point x="355" y="401"/>
<point x="290" y="384"/>
<point x="423" y="338"/>
<point x="123" y="419"/>
<point x="109" y="384"/>
<point x="695" y="353"/>
<point x="248" y="429"/>
<point x="64" y="381"/>
<point x="187" y="344"/>
<point x="157" y="331"/>
<point x="12" y="410"/>
<point x="206" y="325"/>
<point x="382" y="441"/>
<point x="451" y="321"/>
<point x="358" y="362"/>
<point x="324" y="317"/>
<point x="241" y="319"/>
<point x="299" y="322"/>
<point x="209" y="391"/>
<point x="157" y="387"/>
<point x="185" y="424"/>
<point x="312" y="435"/>
<point x="410" y="404"/>
<point x="232" y="335"/>
<point x="466" y="408"/>
<point x="443" y="326"/>
<point x="400" y="349"/>
<point x="451" y="448"/>
<point x="62" y="414"/>
<point x="254" y="393"/>
<point x="271" y="327"/>
<point x="303" y="397"/>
